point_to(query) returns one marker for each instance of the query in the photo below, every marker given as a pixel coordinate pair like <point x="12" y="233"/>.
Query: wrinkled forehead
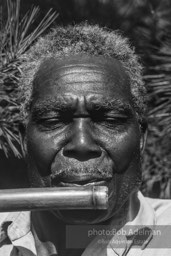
<point x="81" y="71"/>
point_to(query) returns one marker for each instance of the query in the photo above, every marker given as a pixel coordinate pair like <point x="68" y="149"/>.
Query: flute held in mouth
<point x="66" y="198"/>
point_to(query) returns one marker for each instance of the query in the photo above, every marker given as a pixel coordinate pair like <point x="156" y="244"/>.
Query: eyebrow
<point x="50" y="105"/>
<point x="60" y="104"/>
<point x="112" y="104"/>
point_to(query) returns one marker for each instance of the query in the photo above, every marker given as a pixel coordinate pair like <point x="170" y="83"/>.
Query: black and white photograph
<point x="85" y="128"/>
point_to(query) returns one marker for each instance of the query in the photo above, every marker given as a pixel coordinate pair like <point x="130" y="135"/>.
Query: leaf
<point x="16" y="38"/>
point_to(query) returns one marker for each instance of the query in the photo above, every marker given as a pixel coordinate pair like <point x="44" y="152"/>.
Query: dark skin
<point x="83" y="130"/>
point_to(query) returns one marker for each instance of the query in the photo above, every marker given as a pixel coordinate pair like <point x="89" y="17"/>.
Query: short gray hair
<point x="83" y="39"/>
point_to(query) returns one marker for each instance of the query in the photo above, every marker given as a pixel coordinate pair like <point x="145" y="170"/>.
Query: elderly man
<point x="83" y="103"/>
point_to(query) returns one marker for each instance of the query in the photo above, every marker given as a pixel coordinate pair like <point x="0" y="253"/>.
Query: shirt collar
<point x="15" y="225"/>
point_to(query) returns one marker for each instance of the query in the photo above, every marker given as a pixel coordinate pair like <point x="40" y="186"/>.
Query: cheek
<point x="127" y="178"/>
<point x="125" y="150"/>
<point x="41" y="148"/>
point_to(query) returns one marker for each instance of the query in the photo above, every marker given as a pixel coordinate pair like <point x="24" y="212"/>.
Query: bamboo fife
<point x="82" y="197"/>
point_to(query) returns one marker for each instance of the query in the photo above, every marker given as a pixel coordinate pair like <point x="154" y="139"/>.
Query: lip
<point x="94" y="183"/>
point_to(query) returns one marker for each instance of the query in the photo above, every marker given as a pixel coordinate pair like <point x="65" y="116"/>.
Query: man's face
<point x="82" y="131"/>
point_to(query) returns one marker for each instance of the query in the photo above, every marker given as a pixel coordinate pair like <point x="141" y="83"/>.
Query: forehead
<point x="81" y="76"/>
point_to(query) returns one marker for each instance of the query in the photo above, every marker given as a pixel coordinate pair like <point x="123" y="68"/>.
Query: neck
<point x="50" y="235"/>
<point x="127" y="213"/>
<point x="49" y="228"/>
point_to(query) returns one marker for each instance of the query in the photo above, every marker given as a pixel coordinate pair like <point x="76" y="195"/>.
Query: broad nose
<point x="82" y="145"/>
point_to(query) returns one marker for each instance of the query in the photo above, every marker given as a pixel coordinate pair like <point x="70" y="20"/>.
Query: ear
<point x="22" y="132"/>
<point x="143" y="128"/>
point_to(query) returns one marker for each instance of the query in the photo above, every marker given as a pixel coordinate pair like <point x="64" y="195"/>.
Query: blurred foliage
<point x="148" y="25"/>
<point x="14" y="41"/>
<point x="157" y="157"/>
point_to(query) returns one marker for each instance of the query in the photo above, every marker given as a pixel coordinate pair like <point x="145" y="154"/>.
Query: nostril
<point x="81" y="153"/>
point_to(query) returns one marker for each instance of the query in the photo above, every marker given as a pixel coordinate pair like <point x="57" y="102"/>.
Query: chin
<point x="82" y="216"/>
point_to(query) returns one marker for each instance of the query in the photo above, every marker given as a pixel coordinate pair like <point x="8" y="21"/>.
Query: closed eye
<point x="54" y="122"/>
<point x="111" y="121"/>
<point x="111" y="118"/>
<point x="50" y="123"/>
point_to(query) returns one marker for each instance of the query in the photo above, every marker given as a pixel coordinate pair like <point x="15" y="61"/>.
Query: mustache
<point x="80" y="173"/>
